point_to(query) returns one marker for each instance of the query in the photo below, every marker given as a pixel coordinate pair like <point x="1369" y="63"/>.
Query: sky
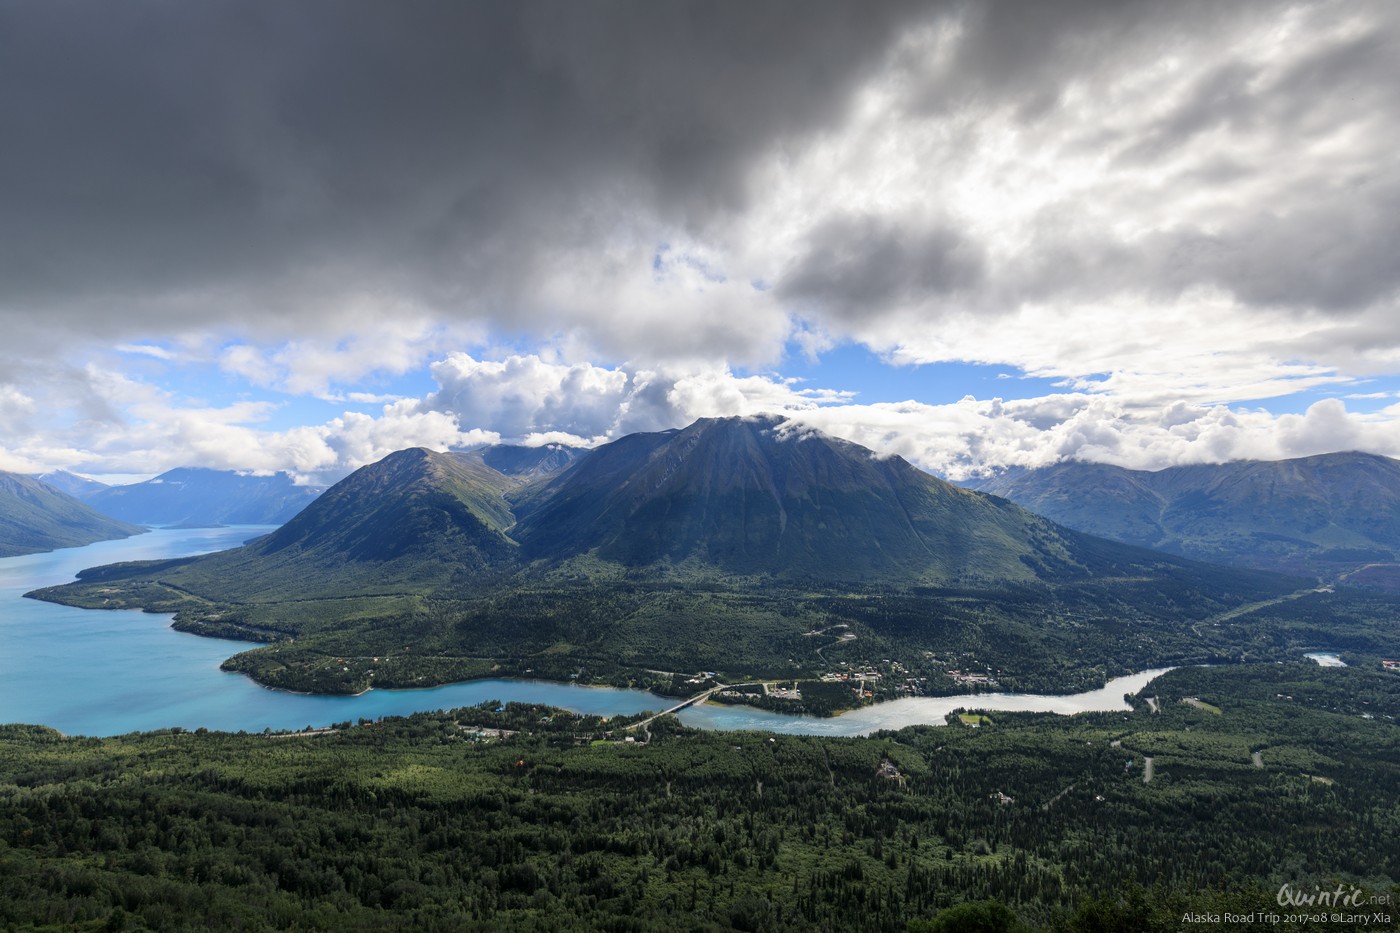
<point x="264" y="236"/>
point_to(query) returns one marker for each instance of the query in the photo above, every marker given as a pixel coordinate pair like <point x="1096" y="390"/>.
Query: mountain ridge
<point x="747" y="496"/>
<point x="1328" y="514"/>
<point x="204" y="497"/>
<point x="36" y="517"/>
<point x="79" y="487"/>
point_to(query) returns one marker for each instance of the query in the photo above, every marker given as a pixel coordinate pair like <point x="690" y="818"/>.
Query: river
<point x="100" y="672"/>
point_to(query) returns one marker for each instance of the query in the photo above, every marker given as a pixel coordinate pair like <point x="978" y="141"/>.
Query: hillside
<point x="415" y="521"/>
<point x="36" y="517"/>
<point x="1331" y="514"/>
<point x="195" y="497"/>
<point x="732" y="545"/>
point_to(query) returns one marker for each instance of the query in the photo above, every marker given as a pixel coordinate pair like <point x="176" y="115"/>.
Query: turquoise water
<point x="100" y="672"/>
<point x="914" y="711"/>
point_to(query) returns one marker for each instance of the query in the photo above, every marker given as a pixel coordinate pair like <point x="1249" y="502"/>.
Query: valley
<point x="428" y="618"/>
<point x="699" y="467"/>
<point x="112" y="673"/>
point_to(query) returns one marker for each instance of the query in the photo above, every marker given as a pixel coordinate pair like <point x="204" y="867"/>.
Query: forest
<point x="528" y="818"/>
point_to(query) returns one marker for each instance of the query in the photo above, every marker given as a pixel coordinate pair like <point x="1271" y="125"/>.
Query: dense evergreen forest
<point x="534" y="819"/>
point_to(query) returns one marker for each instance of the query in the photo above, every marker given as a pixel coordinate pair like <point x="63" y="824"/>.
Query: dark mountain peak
<point x="764" y="495"/>
<point x="763" y="428"/>
<point x="724" y="422"/>
<point x="411" y="455"/>
<point x="406" y="462"/>
<point x="420" y="468"/>
<point x="414" y="502"/>
<point x="1346" y="456"/>
<point x="780" y="429"/>
<point x="188" y="472"/>
<point x="194" y="474"/>
<point x="1014" y="474"/>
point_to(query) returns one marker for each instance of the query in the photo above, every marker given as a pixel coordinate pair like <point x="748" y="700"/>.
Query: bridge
<point x="700" y="697"/>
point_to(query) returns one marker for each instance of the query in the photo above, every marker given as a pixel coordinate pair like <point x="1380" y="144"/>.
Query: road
<point x="1147" y="770"/>
<point x="1251" y="607"/>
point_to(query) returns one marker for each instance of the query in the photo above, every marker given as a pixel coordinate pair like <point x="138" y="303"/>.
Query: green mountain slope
<point x="1329" y="514"/>
<point x="36" y="517"/>
<point x="413" y="522"/>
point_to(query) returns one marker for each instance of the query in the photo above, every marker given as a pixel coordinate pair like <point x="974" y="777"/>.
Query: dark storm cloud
<point x="256" y="165"/>
<point x="1219" y="98"/>
<point x="164" y="158"/>
<point x="853" y="265"/>
<point x="1337" y="254"/>
<point x="1330" y="249"/>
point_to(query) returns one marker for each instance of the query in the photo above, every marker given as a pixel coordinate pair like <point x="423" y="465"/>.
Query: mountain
<point x="530" y="462"/>
<point x="1330" y="514"/>
<point x="725" y="497"/>
<point x="80" y="487"/>
<point x="195" y="497"/>
<point x="414" y="522"/>
<point x="745" y="497"/>
<point x="737" y="544"/>
<point x="35" y="516"/>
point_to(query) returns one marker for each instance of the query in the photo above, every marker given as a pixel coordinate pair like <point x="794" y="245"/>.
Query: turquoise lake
<point x="98" y="672"/>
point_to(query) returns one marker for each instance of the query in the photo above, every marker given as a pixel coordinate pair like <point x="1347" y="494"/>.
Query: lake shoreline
<point x="909" y="711"/>
<point x="788" y="719"/>
<point x="112" y="673"/>
<point x="530" y="677"/>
